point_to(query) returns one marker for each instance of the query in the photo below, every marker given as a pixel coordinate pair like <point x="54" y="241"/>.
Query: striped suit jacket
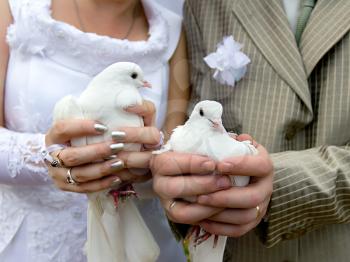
<point x="295" y="102"/>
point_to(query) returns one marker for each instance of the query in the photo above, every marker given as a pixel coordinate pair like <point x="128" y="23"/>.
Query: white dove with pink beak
<point x="204" y="134"/>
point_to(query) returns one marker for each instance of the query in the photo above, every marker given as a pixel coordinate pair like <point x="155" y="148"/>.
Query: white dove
<point x="204" y="134"/>
<point x="115" y="235"/>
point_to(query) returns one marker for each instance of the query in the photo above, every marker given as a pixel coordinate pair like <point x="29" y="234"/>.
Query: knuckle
<point x="60" y="128"/>
<point x="154" y="135"/>
<point x="255" y="198"/>
<point x="174" y="190"/>
<point x="71" y="158"/>
<point x="103" y="184"/>
<point x="78" y="177"/>
<point x="266" y="166"/>
<point x="157" y="186"/>
<point x="182" y="216"/>
<point x="105" y="169"/>
<point x="102" y="151"/>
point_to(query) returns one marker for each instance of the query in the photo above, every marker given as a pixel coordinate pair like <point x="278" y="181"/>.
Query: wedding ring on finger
<point x="258" y="212"/>
<point x="60" y="159"/>
<point x="47" y="157"/>
<point x="69" y="179"/>
<point x="172" y="204"/>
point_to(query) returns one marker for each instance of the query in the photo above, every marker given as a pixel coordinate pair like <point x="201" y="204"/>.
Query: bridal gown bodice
<point x="50" y="59"/>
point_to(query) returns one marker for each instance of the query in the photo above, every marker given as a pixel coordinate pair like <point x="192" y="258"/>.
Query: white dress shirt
<point x="292" y="9"/>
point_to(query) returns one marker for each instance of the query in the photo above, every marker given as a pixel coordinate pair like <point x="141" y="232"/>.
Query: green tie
<point x="305" y="12"/>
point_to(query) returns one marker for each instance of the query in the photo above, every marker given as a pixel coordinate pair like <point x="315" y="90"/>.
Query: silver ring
<point x="70" y="180"/>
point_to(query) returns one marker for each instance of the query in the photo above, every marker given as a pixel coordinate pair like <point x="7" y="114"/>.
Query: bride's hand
<point x="86" y="164"/>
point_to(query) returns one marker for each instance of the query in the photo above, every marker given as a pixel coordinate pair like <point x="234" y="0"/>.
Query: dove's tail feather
<point x="209" y="250"/>
<point x="118" y="235"/>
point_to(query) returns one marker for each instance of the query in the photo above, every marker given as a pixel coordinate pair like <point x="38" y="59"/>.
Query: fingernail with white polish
<point x="116" y="148"/>
<point x="117" y="166"/>
<point x="100" y="128"/>
<point x="118" y="135"/>
<point x="116" y="182"/>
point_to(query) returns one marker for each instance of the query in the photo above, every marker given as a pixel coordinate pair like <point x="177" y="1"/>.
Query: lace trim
<point x="36" y="32"/>
<point x="23" y="153"/>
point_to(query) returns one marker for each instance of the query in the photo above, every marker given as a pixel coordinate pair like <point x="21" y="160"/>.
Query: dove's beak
<point x="146" y="84"/>
<point x="216" y="124"/>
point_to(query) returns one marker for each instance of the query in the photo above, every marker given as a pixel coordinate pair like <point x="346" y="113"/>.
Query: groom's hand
<point x="172" y="183"/>
<point x="244" y="207"/>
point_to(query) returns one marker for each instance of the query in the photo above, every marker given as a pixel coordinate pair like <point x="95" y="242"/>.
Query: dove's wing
<point x="68" y="108"/>
<point x="129" y="96"/>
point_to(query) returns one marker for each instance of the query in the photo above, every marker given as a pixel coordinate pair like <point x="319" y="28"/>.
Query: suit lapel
<point x="329" y="22"/>
<point x="266" y="23"/>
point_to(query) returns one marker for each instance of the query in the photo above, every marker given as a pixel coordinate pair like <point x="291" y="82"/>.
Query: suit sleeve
<point x="311" y="189"/>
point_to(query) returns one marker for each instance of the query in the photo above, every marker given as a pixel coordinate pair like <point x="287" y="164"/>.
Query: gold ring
<point x="172" y="205"/>
<point x="258" y="212"/>
<point x="59" y="159"/>
<point x="69" y="179"/>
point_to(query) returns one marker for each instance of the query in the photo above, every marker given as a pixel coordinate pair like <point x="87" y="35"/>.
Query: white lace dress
<point x="48" y="60"/>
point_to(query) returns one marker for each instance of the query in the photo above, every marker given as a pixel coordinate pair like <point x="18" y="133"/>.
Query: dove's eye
<point x="134" y="75"/>
<point x="201" y="112"/>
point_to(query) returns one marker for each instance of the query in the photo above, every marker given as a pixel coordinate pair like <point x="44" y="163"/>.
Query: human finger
<point x="63" y="131"/>
<point x="259" y="165"/>
<point x="140" y="160"/>
<point x="239" y="197"/>
<point x="147" y="110"/>
<point x="173" y="163"/>
<point x="189" y="185"/>
<point x="75" y="156"/>
<point x="187" y="213"/>
<point x="139" y="135"/>
<point x="241" y="216"/>
<point x="91" y="186"/>
<point x="90" y="172"/>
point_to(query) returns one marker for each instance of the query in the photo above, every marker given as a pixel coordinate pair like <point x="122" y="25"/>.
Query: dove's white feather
<point x="112" y="233"/>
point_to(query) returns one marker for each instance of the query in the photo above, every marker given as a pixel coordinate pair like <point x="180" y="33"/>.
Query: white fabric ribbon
<point x="229" y="62"/>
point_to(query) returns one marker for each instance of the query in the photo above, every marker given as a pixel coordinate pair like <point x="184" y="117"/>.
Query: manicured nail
<point x="117" y="166"/>
<point x="209" y="165"/>
<point x="100" y="128"/>
<point x="116" y="182"/>
<point x="224" y="182"/>
<point x="115" y="148"/>
<point x="118" y="135"/>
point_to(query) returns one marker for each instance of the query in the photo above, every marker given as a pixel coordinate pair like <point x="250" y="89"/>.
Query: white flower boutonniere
<point x="230" y="63"/>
